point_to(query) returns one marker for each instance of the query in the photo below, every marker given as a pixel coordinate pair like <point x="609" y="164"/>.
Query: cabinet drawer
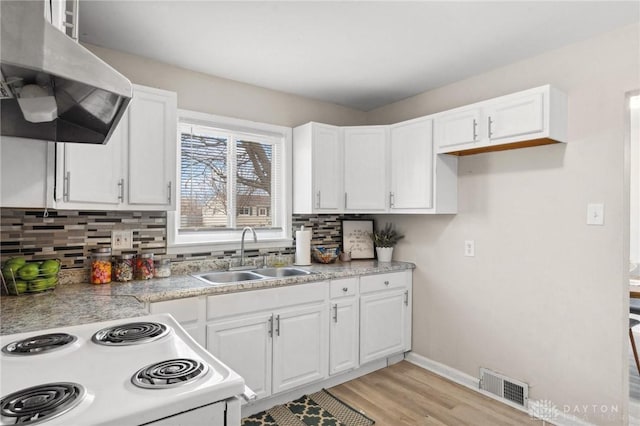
<point x="344" y="287"/>
<point x="183" y="310"/>
<point x="371" y="283"/>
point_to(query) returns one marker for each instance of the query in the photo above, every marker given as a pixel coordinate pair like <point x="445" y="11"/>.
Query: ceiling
<point x="358" y="54"/>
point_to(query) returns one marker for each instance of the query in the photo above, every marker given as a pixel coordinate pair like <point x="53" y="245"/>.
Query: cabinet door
<point x="412" y="166"/>
<point x="343" y="344"/>
<point x="190" y="312"/>
<point x="365" y="171"/>
<point x="457" y="130"/>
<point x="382" y="324"/>
<point x="516" y="116"/>
<point x="245" y="344"/>
<point x="24" y="171"/>
<point x="300" y="347"/>
<point x="327" y="168"/>
<point x="152" y="148"/>
<point x="93" y="174"/>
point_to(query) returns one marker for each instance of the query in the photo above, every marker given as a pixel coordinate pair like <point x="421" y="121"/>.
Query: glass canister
<point x="101" y="266"/>
<point x="144" y="266"/>
<point x="162" y="268"/>
<point x="123" y="268"/>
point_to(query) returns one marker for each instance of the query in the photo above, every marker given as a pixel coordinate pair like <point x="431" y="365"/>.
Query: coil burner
<point x="39" y="403"/>
<point x="169" y="374"/>
<point x="130" y="334"/>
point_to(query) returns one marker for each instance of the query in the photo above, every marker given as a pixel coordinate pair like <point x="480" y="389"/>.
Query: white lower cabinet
<point x="281" y="344"/>
<point x="299" y="347"/>
<point x="344" y="330"/>
<point x="244" y="344"/>
<point x="283" y="338"/>
<point x="190" y="312"/>
<point x="385" y="315"/>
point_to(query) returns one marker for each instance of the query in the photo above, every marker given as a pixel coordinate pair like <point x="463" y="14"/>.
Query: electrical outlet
<point x="469" y="248"/>
<point x="121" y="239"/>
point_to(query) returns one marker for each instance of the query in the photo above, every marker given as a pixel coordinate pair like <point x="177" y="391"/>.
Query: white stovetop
<point x="106" y="374"/>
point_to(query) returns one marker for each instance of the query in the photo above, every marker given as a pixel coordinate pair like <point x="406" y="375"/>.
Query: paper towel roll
<point x="303" y="247"/>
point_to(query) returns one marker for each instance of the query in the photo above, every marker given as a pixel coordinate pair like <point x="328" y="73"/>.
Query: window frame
<point x="281" y="234"/>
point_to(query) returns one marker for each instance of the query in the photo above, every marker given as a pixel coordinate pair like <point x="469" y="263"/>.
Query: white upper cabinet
<point x="411" y="165"/>
<point x="92" y="175"/>
<point x="529" y="118"/>
<point x="317" y="168"/>
<point x="421" y="182"/>
<point x="152" y="147"/>
<point x="515" y="116"/>
<point x="25" y="172"/>
<point x="458" y="129"/>
<point x="136" y="169"/>
<point x="365" y="168"/>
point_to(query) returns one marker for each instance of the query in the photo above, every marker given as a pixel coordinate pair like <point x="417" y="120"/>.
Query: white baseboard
<point x="552" y="415"/>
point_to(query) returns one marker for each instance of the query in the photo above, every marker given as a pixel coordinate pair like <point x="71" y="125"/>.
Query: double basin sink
<point x="227" y="277"/>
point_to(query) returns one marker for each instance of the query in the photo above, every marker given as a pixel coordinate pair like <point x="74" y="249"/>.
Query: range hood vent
<point x="52" y="88"/>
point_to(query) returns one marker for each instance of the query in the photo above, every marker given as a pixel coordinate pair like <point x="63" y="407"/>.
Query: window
<point x="232" y="173"/>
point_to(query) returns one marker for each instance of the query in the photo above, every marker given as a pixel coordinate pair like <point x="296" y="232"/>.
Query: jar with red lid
<point x="144" y="266"/>
<point x="101" y="266"/>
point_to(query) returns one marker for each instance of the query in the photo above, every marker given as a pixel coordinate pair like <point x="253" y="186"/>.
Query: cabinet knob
<point x="386" y="283"/>
<point x="345" y="289"/>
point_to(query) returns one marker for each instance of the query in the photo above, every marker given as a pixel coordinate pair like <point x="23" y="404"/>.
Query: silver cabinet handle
<point x="391" y="199"/>
<point x="65" y="187"/>
<point x="490" y="123"/>
<point x="248" y="394"/>
<point x="386" y="283"/>
<point x="406" y="297"/>
<point x="270" y="326"/>
<point x="335" y="313"/>
<point x="318" y="200"/>
<point x="277" y="325"/>
<point x="475" y="129"/>
<point x="345" y="200"/>
<point x="121" y="190"/>
<point x="169" y="194"/>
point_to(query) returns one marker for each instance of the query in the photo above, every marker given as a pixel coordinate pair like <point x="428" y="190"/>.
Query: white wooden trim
<point x="559" y="418"/>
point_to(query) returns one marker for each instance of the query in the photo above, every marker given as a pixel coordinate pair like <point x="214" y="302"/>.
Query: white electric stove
<point x="137" y="371"/>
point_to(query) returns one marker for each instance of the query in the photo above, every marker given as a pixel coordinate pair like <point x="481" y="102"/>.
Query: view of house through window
<point x="226" y="179"/>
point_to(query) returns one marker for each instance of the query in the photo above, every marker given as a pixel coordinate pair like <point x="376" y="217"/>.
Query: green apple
<point x="29" y="271"/>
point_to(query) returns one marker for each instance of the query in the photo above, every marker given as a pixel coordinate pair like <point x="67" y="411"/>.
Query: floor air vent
<point x="504" y="387"/>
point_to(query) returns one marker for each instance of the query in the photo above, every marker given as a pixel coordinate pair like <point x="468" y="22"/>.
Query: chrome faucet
<point x="255" y="240"/>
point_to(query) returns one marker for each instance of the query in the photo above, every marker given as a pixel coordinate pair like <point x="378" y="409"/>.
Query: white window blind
<point x="230" y="177"/>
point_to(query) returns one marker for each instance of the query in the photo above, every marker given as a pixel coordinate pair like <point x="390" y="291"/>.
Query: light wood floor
<point x="405" y="394"/>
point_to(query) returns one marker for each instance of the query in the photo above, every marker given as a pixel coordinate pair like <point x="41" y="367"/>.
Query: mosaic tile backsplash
<point x="71" y="235"/>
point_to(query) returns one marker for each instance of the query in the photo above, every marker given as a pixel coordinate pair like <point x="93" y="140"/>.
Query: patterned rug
<point x="318" y="409"/>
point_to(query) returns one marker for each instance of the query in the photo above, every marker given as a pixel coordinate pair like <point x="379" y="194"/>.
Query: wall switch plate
<point x="595" y="214"/>
<point x="121" y="239"/>
<point x="469" y="248"/>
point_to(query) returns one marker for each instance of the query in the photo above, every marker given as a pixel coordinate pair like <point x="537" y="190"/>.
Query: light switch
<point x="595" y="214"/>
<point x="469" y="248"/>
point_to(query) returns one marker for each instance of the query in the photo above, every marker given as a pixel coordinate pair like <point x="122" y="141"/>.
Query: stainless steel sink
<point x="281" y="272"/>
<point x="226" y="277"/>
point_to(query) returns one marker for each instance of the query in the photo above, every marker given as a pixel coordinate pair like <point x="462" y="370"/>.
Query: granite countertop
<point x="73" y="304"/>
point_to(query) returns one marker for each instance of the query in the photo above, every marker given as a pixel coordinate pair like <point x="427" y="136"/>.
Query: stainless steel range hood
<point x="51" y="87"/>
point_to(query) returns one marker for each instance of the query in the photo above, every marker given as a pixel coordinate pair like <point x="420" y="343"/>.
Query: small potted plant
<point x="385" y="239"/>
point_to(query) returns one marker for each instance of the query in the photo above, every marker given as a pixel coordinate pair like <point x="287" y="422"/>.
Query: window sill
<point x="190" y="248"/>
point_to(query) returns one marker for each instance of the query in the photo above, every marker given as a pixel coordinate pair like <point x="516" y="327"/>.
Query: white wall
<point x="634" y="139"/>
<point x="215" y="95"/>
<point x="545" y="299"/>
